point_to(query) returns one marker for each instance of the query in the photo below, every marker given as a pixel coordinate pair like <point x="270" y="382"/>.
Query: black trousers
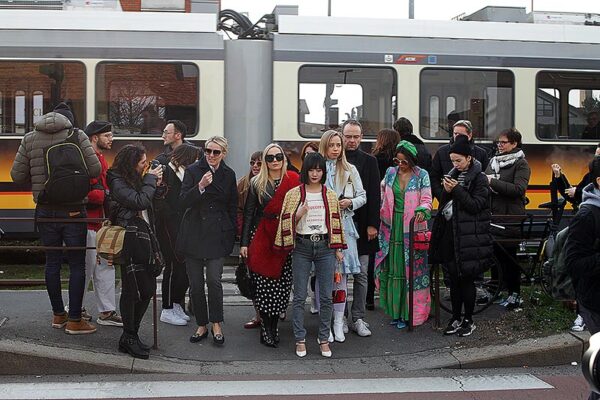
<point x="462" y="291"/>
<point x="174" y="284"/>
<point x="137" y="290"/>
<point x="511" y="271"/>
<point x="371" y="280"/>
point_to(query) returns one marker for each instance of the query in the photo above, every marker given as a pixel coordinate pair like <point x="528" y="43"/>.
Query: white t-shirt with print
<point x="313" y="222"/>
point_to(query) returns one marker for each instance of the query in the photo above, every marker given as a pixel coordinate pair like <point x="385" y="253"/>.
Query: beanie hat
<point x="461" y="145"/>
<point x="97" y="127"/>
<point x="64" y="110"/>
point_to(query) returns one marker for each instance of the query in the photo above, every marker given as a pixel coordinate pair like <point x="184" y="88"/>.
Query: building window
<point x="485" y="97"/>
<point x="567" y="105"/>
<point x="139" y="98"/>
<point x="330" y="95"/>
<point x="29" y="90"/>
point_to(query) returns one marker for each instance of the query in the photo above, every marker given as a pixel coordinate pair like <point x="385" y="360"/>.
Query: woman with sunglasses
<point x="343" y="178"/>
<point x="310" y="227"/>
<point x="207" y="234"/>
<point x="508" y="175"/>
<point x="243" y="185"/>
<point x="405" y="193"/>
<point x="271" y="270"/>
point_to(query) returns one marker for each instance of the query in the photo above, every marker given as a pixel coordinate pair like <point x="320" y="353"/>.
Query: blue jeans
<point x="304" y="255"/>
<point x="72" y="235"/>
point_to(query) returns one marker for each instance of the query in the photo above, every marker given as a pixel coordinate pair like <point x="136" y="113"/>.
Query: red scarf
<point x="263" y="258"/>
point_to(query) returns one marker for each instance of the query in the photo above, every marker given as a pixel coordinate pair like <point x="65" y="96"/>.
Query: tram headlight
<point x="591" y="363"/>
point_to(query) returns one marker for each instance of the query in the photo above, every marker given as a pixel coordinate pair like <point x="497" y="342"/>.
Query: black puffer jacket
<point x="209" y="222"/>
<point x="470" y="225"/>
<point x="441" y="165"/>
<point x="126" y="201"/>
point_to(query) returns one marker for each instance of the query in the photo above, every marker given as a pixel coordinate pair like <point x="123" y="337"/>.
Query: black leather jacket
<point x="253" y="211"/>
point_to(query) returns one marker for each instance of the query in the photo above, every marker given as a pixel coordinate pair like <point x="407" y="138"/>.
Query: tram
<point x="298" y="77"/>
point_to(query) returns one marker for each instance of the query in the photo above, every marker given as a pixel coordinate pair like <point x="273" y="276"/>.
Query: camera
<point x="155" y="164"/>
<point x="591" y="363"/>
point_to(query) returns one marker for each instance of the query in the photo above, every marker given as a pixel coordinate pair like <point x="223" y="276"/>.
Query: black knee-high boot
<point x="266" y="337"/>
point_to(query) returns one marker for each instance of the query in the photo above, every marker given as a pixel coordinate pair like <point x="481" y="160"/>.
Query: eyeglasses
<point x="215" y="153"/>
<point x="503" y="142"/>
<point x="397" y="161"/>
<point x="272" y="157"/>
<point x="255" y="162"/>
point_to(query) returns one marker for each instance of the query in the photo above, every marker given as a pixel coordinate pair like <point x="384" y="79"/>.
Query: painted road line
<point x="143" y="390"/>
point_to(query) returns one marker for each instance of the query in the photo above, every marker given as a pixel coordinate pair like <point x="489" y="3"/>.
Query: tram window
<point x="139" y="98"/>
<point x="485" y="97"/>
<point x="434" y="112"/>
<point x="567" y="105"/>
<point x="31" y="89"/>
<point x="329" y="95"/>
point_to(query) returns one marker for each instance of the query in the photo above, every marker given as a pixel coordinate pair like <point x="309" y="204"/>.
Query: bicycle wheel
<point x="488" y="290"/>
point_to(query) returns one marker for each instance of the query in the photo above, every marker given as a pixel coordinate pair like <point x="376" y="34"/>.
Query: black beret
<point x="98" y="127"/>
<point x="64" y="110"/>
<point x="461" y="145"/>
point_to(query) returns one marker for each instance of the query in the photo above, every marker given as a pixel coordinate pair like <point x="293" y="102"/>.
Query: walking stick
<point x="411" y="261"/>
<point x="155" y="320"/>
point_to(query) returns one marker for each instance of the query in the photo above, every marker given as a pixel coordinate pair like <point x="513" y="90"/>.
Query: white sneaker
<point x="345" y="326"/>
<point x="178" y="310"/>
<point x="578" y="324"/>
<point x="361" y="329"/>
<point x="168" y="316"/>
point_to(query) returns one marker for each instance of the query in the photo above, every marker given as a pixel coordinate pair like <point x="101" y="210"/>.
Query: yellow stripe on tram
<point x="17" y="201"/>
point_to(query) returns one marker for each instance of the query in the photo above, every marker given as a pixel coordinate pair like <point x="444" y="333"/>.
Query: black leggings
<point x="511" y="271"/>
<point x="136" y="293"/>
<point x="462" y="291"/>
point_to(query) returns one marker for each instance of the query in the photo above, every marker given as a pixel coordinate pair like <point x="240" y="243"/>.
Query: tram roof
<point x="107" y="21"/>
<point x="504" y="31"/>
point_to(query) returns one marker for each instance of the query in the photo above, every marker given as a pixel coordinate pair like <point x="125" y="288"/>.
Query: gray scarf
<point x="504" y="161"/>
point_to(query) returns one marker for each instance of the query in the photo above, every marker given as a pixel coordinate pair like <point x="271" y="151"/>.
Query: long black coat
<point x="472" y="241"/>
<point x="209" y="222"/>
<point x="367" y="215"/>
<point x="168" y="214"/>
<point x="441" y="165"/>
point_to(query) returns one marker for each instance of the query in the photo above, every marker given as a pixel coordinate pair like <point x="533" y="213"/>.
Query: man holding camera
<point x="583" y="254"/>
<point x="97" y="269"/>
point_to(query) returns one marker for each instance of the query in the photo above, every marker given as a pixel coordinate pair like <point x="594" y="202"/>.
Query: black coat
<point x="209" y="222"/>
<point x="167" y="212"/>
<point x="508" y="192"/>
<point x="441" y="165"/>
<point x="383" y="163"/>
<point x="583" y="256"/>
<point x="253" y="211"/>
<point x="367" y="215"/>
<point x="126" y="201"/>
<point x="423" y="155"/>
<point x="471" y="217"/>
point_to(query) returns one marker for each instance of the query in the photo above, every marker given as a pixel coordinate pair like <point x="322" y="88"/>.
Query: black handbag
<point x="244" y="280"/>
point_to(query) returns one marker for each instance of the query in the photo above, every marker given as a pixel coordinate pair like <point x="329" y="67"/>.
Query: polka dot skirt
<point x="272" y="295"/>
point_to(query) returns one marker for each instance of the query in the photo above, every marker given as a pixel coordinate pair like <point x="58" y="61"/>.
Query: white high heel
<point x="301" y="353"/>
<point x="324" y="353"/>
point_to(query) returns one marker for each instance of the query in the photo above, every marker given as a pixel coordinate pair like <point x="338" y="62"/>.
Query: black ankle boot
<point x="275" y="330"/>
<point x="266" y="337"/>
<point x="129" y="344"/>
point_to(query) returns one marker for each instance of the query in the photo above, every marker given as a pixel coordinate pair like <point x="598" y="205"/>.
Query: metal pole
<point x="411" y="9"/>
<point x="411" y="276"/>
<point x="329" y="8"/>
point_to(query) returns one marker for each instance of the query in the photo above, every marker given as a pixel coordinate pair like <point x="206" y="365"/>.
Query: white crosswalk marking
<point x="126" y="390"/>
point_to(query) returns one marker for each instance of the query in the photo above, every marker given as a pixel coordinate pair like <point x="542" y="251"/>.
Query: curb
<point x="24" y="358"/>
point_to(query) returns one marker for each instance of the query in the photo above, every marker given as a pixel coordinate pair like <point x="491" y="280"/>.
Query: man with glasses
<point x="173" y="136"/>
<point x="97" y="269"/>
<point x="441" y="163"/>
<point x="366" y="219"/>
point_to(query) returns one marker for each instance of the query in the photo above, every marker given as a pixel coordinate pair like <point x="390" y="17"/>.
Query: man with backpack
<point x="58" y="161"/>
<point x="583" y="254"/>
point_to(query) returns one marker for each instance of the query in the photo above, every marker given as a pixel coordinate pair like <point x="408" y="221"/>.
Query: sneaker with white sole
<point x="168" y="316"/>
<point x="466" y="328"/>
<point x="178" y="310"/>
<point x="578" y="324"/>
<point x="453" y="327"/>
<point x="361" y="328"/>
<point x="112" y="319"/>
<point x="514" y="302"/>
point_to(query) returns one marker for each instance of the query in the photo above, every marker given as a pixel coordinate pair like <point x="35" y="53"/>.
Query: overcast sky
<point x="424" y="9"/>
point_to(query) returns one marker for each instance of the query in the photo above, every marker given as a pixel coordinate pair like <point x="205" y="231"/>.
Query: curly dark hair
<point x="126" y="161"/>
<point x="185" y="155"/>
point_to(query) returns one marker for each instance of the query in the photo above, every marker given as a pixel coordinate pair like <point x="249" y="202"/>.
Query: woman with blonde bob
<point x="343" y="178"/>
<point x="271" y="270"/>
<point x="209" y="197"/>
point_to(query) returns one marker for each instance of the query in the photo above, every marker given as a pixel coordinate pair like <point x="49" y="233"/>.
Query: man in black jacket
<point x="405" y="128"/>
<point x="366" y="219"/>
<point x="441" y="164"/>
<point x="173" y="136"/>
<point x="583" y="254"/>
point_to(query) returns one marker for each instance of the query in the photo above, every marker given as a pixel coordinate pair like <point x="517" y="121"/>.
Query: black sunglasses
<point x="272" y="157"/>
<point x="215" y="153"/>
